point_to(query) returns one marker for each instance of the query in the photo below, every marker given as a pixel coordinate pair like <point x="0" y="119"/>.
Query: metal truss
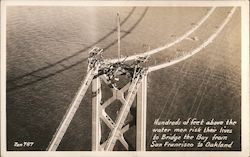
<point x="118" y="127"/>
<point x="97" y="71"/>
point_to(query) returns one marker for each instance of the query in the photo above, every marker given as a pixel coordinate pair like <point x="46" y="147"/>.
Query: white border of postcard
<point x="245" y="79"/>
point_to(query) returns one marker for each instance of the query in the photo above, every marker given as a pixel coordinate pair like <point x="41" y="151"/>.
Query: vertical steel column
<point x="141" y="116"/>
<point x="63" y="126"/>
<point x="96" y="100"/>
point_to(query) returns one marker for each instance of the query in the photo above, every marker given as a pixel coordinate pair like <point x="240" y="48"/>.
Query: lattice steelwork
<point x="118" y="127"/>
<point x="99" y="69"/>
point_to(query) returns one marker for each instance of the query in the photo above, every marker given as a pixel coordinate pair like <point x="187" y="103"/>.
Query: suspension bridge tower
<point x="133" y="91"/>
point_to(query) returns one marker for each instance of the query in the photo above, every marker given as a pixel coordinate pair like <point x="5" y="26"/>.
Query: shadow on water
<point x="75" y="54"/>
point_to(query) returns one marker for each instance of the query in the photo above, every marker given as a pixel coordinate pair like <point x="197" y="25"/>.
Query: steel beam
<point x="141" y="116"/>
<point x="63" y="126"/>
<point x="96" y="100"/>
